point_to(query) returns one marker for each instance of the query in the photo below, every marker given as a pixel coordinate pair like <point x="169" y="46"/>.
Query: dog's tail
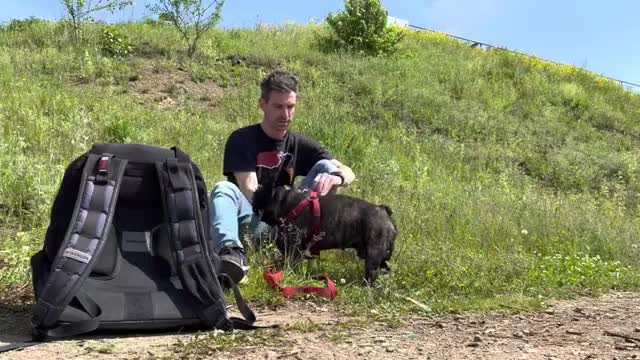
<point x="387" y="209"/>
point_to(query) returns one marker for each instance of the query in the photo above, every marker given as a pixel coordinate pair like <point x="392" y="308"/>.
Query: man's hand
<point x="323" y="183"/>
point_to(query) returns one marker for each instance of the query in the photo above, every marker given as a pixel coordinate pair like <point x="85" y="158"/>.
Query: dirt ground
<point x="587" y="328"/>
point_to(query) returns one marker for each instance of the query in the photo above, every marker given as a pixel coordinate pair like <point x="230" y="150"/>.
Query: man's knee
<point x="224" y="188"/>
<point x="324" y="166"/>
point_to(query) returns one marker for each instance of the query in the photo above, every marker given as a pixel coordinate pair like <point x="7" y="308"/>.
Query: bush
<point x="362" y="28"/>
<point x="79" y="12"/>
<point x="32" y="33"/>
<point x="114" y="42"/>
<point x="26" y="24"/>
<point x="192" y="18"/>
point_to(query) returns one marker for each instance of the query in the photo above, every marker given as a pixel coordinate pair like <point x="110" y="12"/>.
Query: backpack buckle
<point x="103" y="165"/>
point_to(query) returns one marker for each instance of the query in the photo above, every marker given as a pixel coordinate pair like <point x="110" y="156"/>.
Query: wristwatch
<point x="338" y="174"/>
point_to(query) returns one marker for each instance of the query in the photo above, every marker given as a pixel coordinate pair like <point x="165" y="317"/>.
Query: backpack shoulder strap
<point x="190" y="246"/>
<point x="83" y="241"/>
<point x="186" y="234"/>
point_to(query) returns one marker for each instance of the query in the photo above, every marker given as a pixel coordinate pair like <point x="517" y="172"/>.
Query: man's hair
<point x="278" y="80"/>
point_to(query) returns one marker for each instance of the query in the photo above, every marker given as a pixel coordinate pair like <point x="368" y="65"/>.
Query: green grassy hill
<point x="511" y="179"/>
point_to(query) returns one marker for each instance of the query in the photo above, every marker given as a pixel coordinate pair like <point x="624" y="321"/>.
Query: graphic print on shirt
<point x="275" y="165"/>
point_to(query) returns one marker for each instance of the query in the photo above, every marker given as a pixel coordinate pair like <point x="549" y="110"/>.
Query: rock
<point x="167" y="102"/>
<point x="526" y="332"/>
<point x="518" y="335"/>
<point x="390" y="349"/>
<point x="473" y="344"/>
<point x="458" y="318"/>
<point x="236" y="59"/>
<point x="270" y="355"/>
<point x="178" y="89"/>
<point x="549" y="312"/>
<point x="636" y="329"/>
<point x="477" y="339"/>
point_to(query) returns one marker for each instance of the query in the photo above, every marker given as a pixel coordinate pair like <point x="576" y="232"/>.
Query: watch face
<point x="339" y="174"/>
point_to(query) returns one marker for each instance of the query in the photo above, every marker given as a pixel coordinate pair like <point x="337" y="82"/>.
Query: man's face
<point x="278" y="110"/>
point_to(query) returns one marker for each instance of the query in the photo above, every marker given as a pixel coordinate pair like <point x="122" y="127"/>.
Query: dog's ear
<point x="387" y="209"/>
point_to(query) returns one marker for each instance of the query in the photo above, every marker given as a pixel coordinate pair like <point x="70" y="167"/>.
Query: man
<point x="262" y="152"/>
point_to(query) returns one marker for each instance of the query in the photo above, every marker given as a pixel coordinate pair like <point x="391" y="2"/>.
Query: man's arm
<point x="323" y="183"/>
<point x="247" y="182"/>
<point x="346" y="171"/>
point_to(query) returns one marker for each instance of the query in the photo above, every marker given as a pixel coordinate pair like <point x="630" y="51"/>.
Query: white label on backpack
<point x="77" y="255"/>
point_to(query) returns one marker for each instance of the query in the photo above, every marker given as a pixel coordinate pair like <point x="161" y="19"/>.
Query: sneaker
<point x="234" y="262"/>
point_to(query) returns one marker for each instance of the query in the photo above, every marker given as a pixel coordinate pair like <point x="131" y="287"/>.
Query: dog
<point x="342" y="222"/>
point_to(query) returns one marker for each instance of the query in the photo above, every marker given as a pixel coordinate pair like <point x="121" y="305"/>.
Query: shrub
<point x="362" y="28"/>
<point x="79" y="11"/>
<point x="26" y="24"/>
<point x="114" y="42"/>
<point x="192" y="18"/>
<point x="32" y="33"/>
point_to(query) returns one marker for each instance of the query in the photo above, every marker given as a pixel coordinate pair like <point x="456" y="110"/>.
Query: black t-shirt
<point x="250" y="149"/>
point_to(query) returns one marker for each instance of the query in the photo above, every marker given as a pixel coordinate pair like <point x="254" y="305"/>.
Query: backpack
<point x="128" y="247"/>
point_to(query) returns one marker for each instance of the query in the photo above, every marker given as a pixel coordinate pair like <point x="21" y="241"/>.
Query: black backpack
<point x="128" y="248"/>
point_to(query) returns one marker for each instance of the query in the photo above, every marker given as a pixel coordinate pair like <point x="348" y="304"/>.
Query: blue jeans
<point x="230" y="210"/>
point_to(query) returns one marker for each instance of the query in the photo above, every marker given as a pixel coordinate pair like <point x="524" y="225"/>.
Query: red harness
<point x="312" y="201"/>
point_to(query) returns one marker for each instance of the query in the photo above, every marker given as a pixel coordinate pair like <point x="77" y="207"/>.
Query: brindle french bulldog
<point x="345" y="222"/>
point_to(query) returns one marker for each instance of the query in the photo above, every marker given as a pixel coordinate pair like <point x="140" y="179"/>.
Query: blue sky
<point x="602" y="36"/>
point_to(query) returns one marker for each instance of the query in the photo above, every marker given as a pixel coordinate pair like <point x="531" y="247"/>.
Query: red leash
<point x="313" y="203"/>
<point x="273" y="278"/>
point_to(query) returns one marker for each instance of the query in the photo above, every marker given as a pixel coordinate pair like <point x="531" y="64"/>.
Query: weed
<point x="206" y="345"/>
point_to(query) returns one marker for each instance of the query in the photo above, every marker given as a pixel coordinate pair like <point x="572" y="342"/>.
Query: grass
<point x="205" y="345"/>
<point x="511" y="179"/>
<point x="212" y="343"/>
